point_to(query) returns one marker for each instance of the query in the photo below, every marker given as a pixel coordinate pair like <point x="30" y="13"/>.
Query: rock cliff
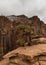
<point x="17" y="31"/>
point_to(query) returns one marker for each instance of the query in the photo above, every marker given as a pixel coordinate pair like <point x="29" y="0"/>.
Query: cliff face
<point x="36" y="24"/>
<point x="18" y="31"/>
<point x="5" y="24"/>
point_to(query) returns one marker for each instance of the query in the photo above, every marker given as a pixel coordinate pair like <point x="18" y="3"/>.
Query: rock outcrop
<point x="30" y="55"/>
<point x="16" y="31"/>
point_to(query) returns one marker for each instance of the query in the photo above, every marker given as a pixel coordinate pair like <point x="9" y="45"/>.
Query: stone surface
<point x="4" y="61"/>
<point x="31" y="51"/>
<point x="14" y="38"/>
<point x="30" y="55"/>
<point x="42" y="62"/>
<point x="42" y="58"/>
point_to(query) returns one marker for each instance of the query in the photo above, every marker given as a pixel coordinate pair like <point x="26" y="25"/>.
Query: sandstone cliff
<point x="17" y="31"/>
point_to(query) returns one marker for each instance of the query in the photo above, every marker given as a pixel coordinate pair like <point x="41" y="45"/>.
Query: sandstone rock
<point x="42" y="39"/>
<point x="4" y="61"/>
<point x="36" y="63"/>
<point x="8" y="31"/>
<point x="30" y="55"/>
<point x="29" y="51"/>
<point x="42" y="62"/>
<point x="42" y="58"/>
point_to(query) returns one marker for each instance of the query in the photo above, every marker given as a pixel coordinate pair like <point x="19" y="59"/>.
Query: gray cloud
<point x="9" y="7"/>
<point x="27" y="7"/>
<point x="36" y="7"/>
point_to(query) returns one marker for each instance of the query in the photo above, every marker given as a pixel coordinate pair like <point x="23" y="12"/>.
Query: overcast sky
<point x="27" y="7"/>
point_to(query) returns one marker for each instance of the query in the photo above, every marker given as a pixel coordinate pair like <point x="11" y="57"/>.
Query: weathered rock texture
<point x="16" y="31"/>
<point x="30" y="55"/>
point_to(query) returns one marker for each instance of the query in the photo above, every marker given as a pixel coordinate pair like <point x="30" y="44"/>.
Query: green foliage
<point x="32" y="32"/>
<point x="21" y="41"/>
<point x="27" y="28"/>
<point x="19" y="27"/>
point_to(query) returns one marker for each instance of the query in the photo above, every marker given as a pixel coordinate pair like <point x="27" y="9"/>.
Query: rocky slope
<point x="16" y="31"/>
<point x="33" y="55"/>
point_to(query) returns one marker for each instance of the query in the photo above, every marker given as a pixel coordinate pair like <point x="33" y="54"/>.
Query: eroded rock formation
<point x="33" y="55"/>
<point x="16" y="31"/>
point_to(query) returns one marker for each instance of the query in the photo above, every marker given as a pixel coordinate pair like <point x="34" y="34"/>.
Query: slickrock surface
<point x="30" y="55"/>
<point x="4" y="61"/>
